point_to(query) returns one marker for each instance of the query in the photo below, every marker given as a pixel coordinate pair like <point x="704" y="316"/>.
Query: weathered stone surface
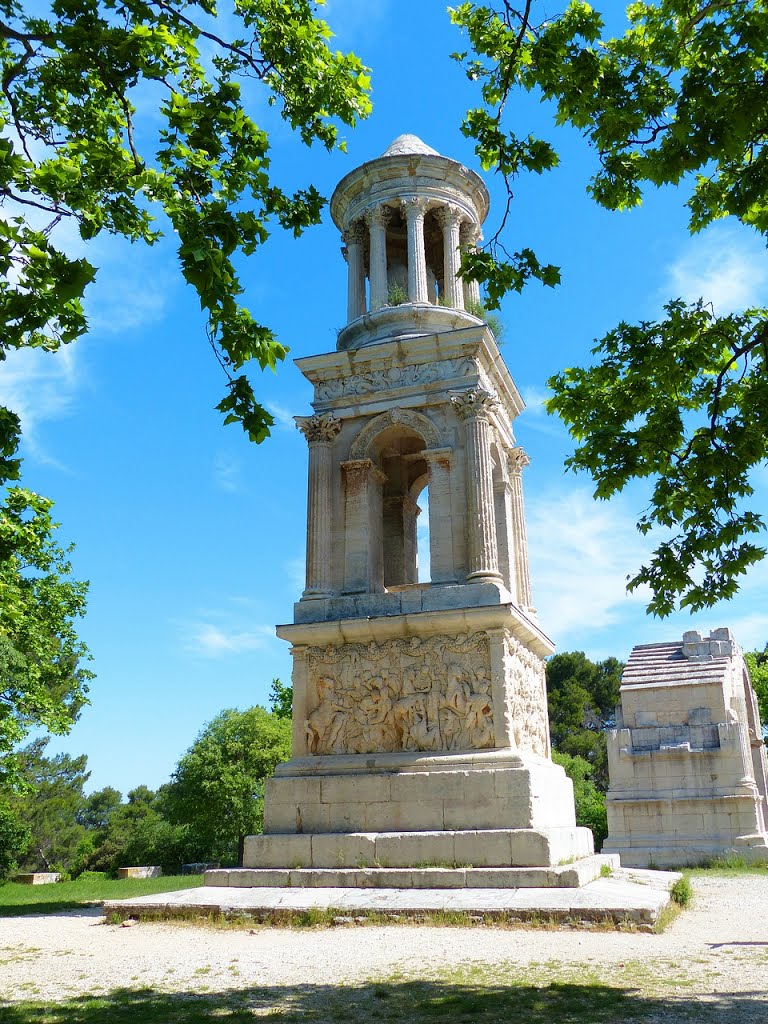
<point x="687" y="762"/>
<point x="140" y="872"/>
<point x="420" y="730"/>
<point x="37" y="877"/>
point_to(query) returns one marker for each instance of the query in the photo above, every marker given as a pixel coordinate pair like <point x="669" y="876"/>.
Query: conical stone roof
<point x="408" y="145"/>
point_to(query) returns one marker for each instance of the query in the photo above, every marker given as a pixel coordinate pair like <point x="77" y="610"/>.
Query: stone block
<point x="349" y="817"/>
<point x="414" y="849"/>
<point x="37" y="877"/>
<point x="354" y="789"/>
<point x="483" y="848"/>
<point x="154" y="871"/>
<point x="277" y="851"/>
<point x="405" y="817"/>
<point x="483" y="814"/>
<point x="336" y="850"/>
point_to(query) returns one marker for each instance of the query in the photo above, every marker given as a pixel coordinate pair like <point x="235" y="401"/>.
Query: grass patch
<point x="731" y="864"/>
<point x="681" y="892"/>
<point x="16" y="899"/>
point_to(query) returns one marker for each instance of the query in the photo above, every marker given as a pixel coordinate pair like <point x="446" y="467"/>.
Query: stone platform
<point x="628" y="898"/>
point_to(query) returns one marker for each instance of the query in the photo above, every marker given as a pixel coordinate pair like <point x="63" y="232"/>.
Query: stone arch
<point x="407" y="417"/>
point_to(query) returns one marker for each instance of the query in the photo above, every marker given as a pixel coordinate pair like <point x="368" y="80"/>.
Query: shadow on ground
<point x="392" y="1002"/>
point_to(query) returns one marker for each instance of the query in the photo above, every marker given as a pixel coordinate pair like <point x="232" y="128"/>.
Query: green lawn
<point x="16" y="898"/>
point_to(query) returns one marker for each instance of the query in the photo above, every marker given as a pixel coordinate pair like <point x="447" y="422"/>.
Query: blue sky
<point x="193" y="538"/>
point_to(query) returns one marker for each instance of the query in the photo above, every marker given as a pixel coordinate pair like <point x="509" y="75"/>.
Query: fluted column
<point x="378" y="217"/>
<point x="469" y="236"/>
<point x="449" y="218"/>
<point x="518" y="460"/>
<point x="413" y="210"/>
<point x="354" y="237"/>
<point x="319" y="430"/>
<point x="474" y="407"/>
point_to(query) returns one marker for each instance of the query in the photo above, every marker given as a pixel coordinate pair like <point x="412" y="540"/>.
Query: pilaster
<point x="320" y="431"/>
<point x="518" y="460"/>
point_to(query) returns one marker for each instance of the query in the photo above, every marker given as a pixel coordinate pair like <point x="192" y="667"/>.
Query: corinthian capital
<point x="378" y="216"/>
<point x="469" y="234"/>
<point x="320" y="428"/>
<point x="355" y="233"/>
<point x="413" y="206"/>
<point x="518" y="460"/>
<point x="449" y="215"/>
<point x="474" y="403"/>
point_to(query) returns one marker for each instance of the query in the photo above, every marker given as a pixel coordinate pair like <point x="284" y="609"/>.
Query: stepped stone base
<point x="681" y="851"/>
<point x="519" y="848"/>
<point x="564" y="876"/>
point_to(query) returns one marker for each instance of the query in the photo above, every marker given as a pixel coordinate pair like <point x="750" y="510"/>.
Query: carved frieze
<point x="374" y="381"/>
<point x="404" y="694"/>
<point x="526" y="698"/>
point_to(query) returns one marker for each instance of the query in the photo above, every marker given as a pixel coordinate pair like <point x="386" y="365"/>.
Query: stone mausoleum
<point x="421" y="751"/>
<point x="687" y="762"/>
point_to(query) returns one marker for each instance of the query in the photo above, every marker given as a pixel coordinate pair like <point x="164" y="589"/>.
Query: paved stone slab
<point x="636" y="897"/>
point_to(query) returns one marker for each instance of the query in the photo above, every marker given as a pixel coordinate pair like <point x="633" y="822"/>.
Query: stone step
<point x="563" y="876"/>
<point x="475" y="848"/>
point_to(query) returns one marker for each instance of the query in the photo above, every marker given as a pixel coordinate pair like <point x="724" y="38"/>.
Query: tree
<point x="757" y="663"/>
<point x="218" y="785"/>
<point x="588" y="797"/>
<point x="98" y="808"/>
<point x="15" y="838"/>
<point x="75" y="149"/>
<point x="49" y="805"/>
<point x="678" y="99"/>
<point x="42" y="682"/>
<point x="281" y="699"/>
<point x="582" y="697"/>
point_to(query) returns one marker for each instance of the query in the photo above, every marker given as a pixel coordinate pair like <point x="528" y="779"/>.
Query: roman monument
<point x="421" y="750"/>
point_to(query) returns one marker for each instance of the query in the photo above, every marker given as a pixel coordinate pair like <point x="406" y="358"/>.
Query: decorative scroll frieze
<point x="404" y="694"/>
<point x="526" y="698"/>
<point x="394" y="377"/>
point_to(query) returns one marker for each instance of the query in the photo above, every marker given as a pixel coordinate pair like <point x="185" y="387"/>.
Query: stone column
<point x="469" y="236"/>
<point x="441" y="555"/>
<point x="354" y="238"/>
<point x="363" y="514"/>
<point x="449" y="218"/>
<point x="474" y="406"/>
<point x="319" y="430"/>
<point x="400" y="513"/>
<point x="378" y="217"/>
<point x="518" y="460"/>
<point x="413" y="210"/>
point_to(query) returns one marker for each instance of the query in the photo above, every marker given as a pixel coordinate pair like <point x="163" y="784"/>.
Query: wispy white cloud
<point x="581" y="553"/>
<point x="214" y="640"/>
<point x="39" y="386"/>
<point x="283" y="417"/>
<point x="724" y="265"/>
<point x="226" y="473"/>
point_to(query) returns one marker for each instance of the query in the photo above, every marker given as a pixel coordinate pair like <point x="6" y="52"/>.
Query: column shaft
<point x="354" y="237"/>
<point x="413" y="211"/>
<point x="517" y="462"/>
<point x="469" y="236"/>
<point x="319" y="430"/>
<point x="474" y="407"/>
<point x="450" y="218"/>
<point x="378" y="218"/>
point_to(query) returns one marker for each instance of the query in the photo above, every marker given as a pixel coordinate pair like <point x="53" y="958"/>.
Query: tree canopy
<point x="677" y="99"/>
<point x="218" y="786"/>
<point x="43" y="681"/>
<point x="124" y="116"/>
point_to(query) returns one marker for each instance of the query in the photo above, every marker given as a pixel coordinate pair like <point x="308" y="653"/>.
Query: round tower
<point x="406" y="218"/>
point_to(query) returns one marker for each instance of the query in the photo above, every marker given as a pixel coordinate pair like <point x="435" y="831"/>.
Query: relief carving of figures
<point x="394" y="377"/>
<point x="412" y="694"/>
<point x="527" y="698"/>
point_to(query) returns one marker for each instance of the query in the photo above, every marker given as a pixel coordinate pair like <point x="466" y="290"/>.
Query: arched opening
<point x="398" y="453"/>
<point x="423" y="555"/>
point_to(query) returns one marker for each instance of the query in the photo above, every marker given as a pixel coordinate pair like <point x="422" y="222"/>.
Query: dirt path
<point x="718" y="948"/>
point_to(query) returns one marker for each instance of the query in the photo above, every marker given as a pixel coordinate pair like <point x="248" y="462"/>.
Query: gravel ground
<point x="718" y="947"/>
